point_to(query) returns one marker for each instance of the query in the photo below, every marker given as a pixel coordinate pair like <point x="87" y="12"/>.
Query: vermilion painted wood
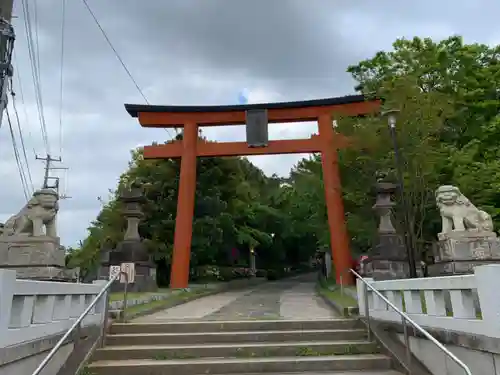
<point x="328" y="141"/>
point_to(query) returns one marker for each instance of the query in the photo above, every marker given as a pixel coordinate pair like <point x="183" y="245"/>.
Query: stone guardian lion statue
<point x="458" y="213"/>
<point x="41" y="210"/>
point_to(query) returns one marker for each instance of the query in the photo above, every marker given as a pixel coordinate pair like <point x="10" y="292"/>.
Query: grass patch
<point x="118" y="296"/>
<point x="172" y="355"/>
<point x="301" y="351"/>
<point x="343" y="299"/>
<point x="332" y="291"/>
<point x="136" y="309"/>
<point x="350" y="349"/>
<point x="86" y="371"/>
<point x="172" y="300"/>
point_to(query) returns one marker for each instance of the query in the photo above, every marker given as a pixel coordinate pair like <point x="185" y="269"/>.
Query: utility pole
<point x="7" y="37"/>
<point x="47" y="177"/>
<point x="48" y="159"/>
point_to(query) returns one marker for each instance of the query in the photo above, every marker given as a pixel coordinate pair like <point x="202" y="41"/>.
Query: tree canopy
<point x="447" y="130"/>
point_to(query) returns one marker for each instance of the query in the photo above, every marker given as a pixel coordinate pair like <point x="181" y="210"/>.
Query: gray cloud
<point x="195" y="52"/>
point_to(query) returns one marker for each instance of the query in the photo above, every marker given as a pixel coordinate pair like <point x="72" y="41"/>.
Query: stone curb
<point x="118" y="305"/>
<point x="347" y="312"/>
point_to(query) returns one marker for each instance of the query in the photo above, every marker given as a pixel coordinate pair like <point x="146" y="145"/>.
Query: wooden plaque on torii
<point x="327" y="142"/>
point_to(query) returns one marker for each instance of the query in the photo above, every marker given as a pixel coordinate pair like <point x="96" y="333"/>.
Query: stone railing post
<point x="7" y="285"/>
<point x="487" y="281"/>
<point x="361" y="290"/>
<point x="100" y="307"/>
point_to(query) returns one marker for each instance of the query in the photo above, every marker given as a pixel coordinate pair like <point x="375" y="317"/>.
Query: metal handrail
<point x="79" y="320"/>
<point x="405" y="319"/>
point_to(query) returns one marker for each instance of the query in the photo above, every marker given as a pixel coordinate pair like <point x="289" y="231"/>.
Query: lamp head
<point x="391" y="115"/>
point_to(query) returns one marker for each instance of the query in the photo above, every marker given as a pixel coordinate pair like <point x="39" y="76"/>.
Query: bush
<point x="261" y="273"/>
<point x="205" y="273"/>
<point x="276" y="273"/>
<point x="272" y="275"/>
<point x="225" y="274"/>
<point x="242" y="273"/>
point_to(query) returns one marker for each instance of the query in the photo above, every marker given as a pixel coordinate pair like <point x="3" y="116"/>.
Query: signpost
<point x="127" y="276"/>
<point x="127" y="269"/>
<point x="113" y="271"/>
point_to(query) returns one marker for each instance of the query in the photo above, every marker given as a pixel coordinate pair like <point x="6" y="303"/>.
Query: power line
<point x="21" y="136"/>
<point x="18" y="159"/>
<point x="118" y="56"/>
<point x="37" y="40"/>
<point x="7" y="37"/>
<point x="35" y="74"/>
<point x="21" y="92"/>
<point x="115" y="51"/>
<point x="61" y="86"/>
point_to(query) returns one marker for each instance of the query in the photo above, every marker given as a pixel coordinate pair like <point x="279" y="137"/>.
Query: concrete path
<point x="301" y="302"/>
<point x="196" y="309"/>
<point x="288" y="299"/>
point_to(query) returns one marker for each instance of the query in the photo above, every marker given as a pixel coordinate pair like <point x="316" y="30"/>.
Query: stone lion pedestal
<point x="35" y="253"/>
<point x="459" y="252"/>
<point x="37" y="258"/>
<point x="467" y="239"/>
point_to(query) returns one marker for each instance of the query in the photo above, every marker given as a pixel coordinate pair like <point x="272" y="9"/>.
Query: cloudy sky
<point x="192" y="52"/>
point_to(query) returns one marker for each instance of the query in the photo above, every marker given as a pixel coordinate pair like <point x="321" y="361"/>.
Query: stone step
<point x="231" y="326"/>
<point x="246" y="350"/>
<point x="355" y="372"/>
<point x="234" y="337"/>
<point x="242" y="365"/>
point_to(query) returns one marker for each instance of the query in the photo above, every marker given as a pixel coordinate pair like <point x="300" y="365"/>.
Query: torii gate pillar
<point x="179" y="277"/>
<point x="339" y="238"/>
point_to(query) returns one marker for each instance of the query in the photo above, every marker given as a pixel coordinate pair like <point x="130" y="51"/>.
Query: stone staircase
<point x="242" y="347"/>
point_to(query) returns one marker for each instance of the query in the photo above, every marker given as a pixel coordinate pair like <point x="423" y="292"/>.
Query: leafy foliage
<point x="449" y="120"/>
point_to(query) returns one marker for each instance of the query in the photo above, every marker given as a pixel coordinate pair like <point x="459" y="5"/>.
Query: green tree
<point x="424" y="158"/>
<point x="469" y="76"/>
<point x="468" y="73"/>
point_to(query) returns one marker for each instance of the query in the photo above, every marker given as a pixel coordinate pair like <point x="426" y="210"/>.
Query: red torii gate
<point x="328" y="141"/>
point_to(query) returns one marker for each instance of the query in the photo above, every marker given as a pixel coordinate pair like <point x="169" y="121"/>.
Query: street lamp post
<point x="408" y="238"/>
<point x="253" y="266"/>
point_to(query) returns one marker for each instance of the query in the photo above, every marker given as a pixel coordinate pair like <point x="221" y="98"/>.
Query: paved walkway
<point x="289" y="299"/>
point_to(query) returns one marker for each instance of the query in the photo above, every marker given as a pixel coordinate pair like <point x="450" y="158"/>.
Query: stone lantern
<point x="132" y="200"/>
<point x="389" y="259"/>
<point x="133" y="249"/>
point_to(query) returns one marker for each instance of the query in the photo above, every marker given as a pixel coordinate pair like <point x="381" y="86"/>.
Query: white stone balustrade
<point x="468" y="303"/>
<point x="31" y="310"/>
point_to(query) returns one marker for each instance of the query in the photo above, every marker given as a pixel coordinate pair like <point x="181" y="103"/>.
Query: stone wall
<point x="460" y="311"/>
<point x="35" y="314"/>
